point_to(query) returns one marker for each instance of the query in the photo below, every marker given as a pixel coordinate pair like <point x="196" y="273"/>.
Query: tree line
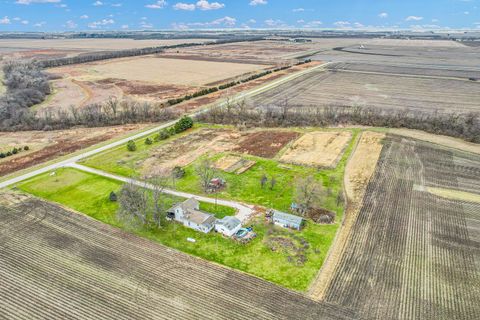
<point x="111" y="113"/>
<point x="463" y="125"/>
<point x="26" y="86"/>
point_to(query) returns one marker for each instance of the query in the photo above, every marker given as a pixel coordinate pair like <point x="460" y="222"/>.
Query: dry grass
<point x="319" y="149"/>
<point x="454" y="194"/>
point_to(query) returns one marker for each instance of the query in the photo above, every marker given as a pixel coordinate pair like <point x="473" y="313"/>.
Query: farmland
<point x="139" y="78"/>
<point x="330" y="88"/>
<point x="414" y="254"/>
<point x="67" y="265"/>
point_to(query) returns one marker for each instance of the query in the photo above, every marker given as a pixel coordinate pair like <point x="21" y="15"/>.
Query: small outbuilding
<point x="228" y="226"/>
<point x="287" y="220"/>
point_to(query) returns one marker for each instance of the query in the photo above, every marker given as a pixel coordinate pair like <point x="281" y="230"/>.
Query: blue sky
<point x="70" y="15"/>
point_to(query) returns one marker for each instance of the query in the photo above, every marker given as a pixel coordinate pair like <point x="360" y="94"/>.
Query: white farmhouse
<point x="188" y="213"/>
<point x="228" y="226"/>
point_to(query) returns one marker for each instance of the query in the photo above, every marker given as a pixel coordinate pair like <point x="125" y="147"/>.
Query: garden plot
<point x="234" y="164"/>
<point x="266" y="144"/>
<point x="185" y="150"/>
<point x="318" y="149"/>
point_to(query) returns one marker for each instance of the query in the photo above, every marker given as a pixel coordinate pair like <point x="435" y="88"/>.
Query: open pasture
<point x="413" y="253"/>
<point x="57" y="263"/>
<point x="327" y="88"/>
<point x="318" y="149"/>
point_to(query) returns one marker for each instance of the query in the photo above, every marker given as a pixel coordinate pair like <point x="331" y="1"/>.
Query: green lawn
<point x="88" y="193"/>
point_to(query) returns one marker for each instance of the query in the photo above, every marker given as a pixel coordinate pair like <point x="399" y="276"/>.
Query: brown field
<point x="47" y="145"/>
<point x="147" y="78"/>
<point x="153" y="69"/>
<point x="85" y="45"/>
<point x="266" y="144"/>
<point x="319" y="149"/>
<point x="258" y="52"/>
<point x="185" y="150"/>
<point x="358" y="172"/>
<point x="329" y="88"/>
<point x="438" y="139"/>
<point x="58" y="264"/>
<point x="412" y="254"/>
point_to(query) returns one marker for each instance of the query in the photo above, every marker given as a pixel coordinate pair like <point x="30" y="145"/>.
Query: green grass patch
<point x="88" y="194"/>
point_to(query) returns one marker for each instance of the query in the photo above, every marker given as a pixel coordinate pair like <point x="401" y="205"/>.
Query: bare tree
<point x="309" y="193"/>
<point x="206" y="172"/>
<point x="133" y="205"/>
<point x="158" y="185"/>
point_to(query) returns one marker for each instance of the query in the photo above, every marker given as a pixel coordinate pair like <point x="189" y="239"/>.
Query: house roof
<point x="199" y="217"/>
<point x="229" y="222"/>
<point x="290" y="218"/>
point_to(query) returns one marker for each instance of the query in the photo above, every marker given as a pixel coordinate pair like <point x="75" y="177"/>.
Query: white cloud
<point x="226" y="22"/>
<point x="383" y="15"/>
<point x="205" y="5"/>
<point x="313" y="24"/>
<point x="258" y="2"/>
<point x="342" y="24"/>
<point x="413" y="18"/>
<point x="40" y="24"/>
<point x="27" y="2"/>
<point x="103" y="22"/>
<point x="25" y="22"/>
<point x="98" y="3"/>
<point x="466" y="12"/>
<point x="117" y="5"/>
<point x="5" y="20"/>
<point x="157" y="5"/>
<point x="184" y="6"/>
<point x="71" y="24"/>
<point x="84" y="17"/>
<point x="146" y="25"/>
<point x="125" y="26"/>
<point x="271" y="23"/>
<point x="252" y="21"/>
<point x="298" y="10"/>
<point x="201" y="5"/>
<point x="17" y="19"/>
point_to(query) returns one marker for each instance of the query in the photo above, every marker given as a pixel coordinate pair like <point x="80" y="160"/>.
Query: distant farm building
<point x="286" y="220"/>
<point x="228" y="226"/>
<point x="188" y="213"/>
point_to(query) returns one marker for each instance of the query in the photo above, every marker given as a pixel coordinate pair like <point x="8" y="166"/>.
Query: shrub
<point x="131" y="146"/>
<point x="26" y="148"/>
<point x="113" y="197"/>
<point x="183" y="124"/>
<point x="2" y="155"/>
<point x="178" y="172"/>
<point x="148" y="141"/>
<point x="163" y="135"/>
